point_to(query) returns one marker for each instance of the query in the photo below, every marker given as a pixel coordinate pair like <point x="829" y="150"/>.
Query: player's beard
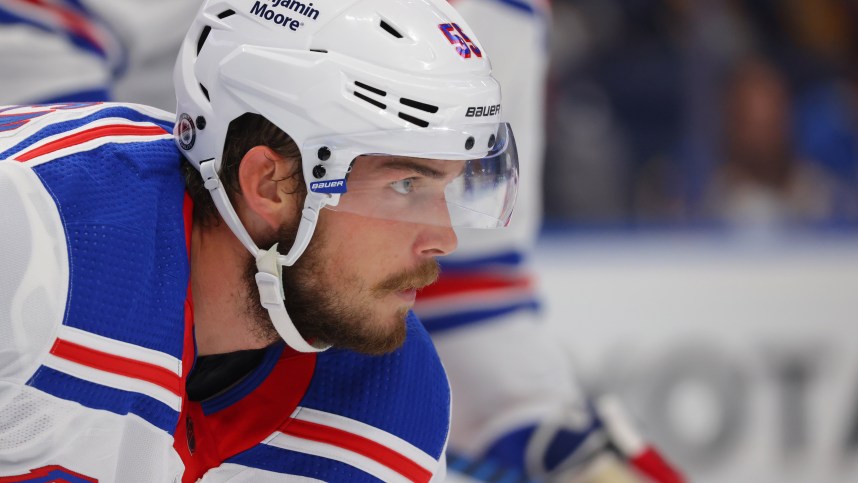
<point x="323" y="315"/>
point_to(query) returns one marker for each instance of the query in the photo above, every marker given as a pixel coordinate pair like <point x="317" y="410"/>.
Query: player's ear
<point x="268" y="190"/>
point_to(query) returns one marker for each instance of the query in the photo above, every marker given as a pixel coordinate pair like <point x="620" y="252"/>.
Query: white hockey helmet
<point x="351" y="82"/>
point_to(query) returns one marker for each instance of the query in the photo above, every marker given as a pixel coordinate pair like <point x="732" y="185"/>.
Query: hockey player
<point x="510" y="411"/>
<point x="319" y="158"/>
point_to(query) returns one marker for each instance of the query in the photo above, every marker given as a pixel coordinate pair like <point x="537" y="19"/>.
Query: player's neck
<point x="221" y="321"/>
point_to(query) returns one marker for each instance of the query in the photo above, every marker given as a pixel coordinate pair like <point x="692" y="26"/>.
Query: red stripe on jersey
<point x="456" y="284"/>
<point x="89" y="135"/>
<point x="358" y="444"/>
<point x="114" y="364"/>
<point x="651" y="464"/>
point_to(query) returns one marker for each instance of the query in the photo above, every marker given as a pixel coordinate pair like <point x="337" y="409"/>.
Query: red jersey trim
<point x="360" y="445"/>
<point x="119" y="365"/>
<point x="88" y="135"/>
<point x="459" y="284"/>
<point x="651" y="464"/>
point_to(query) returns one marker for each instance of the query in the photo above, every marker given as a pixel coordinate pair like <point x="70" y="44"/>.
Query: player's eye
<point x="403" y="186"/>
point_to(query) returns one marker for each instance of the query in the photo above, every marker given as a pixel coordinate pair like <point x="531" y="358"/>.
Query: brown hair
<point x="244" y="132"/>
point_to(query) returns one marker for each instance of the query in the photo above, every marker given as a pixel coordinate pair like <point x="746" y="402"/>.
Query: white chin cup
<point x="270" y="283"/>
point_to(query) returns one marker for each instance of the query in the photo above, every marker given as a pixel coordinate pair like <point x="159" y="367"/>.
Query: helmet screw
<point x="324" y="155"/>
<point x="491" y="141"/>
<point x="469" y="143"/>
<point x="319" y="170"/>
<point x="201" y="123"/>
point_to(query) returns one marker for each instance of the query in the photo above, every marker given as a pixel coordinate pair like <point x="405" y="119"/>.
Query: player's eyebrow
<point x="409" y="165"/>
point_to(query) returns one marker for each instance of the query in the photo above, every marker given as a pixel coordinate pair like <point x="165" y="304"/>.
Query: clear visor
<point x="437" y="190"/>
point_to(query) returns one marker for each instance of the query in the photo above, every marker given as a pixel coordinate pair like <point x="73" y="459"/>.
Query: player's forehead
<point x="378" y="164"/>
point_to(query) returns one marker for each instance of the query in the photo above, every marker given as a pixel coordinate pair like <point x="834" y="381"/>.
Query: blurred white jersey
<point x="518" y="411"/>
<point x="103" y="49"/>
<point x="506" y="375"/>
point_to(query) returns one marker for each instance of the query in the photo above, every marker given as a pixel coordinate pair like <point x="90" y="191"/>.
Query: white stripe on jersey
<point x="324" y="450"/>
<point x="353" y="458"/>
<point x="234" y="473"/>
<point x="372" y="433"/>
<point x="52" y="114"/>
<point x="120" y="348"/>
<point x="475" y="300"/>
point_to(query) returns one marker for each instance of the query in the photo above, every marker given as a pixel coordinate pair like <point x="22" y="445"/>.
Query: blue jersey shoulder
<point x="120" y="197"/>
<point x="404" y="393"/>
<point x="114" y="174"/>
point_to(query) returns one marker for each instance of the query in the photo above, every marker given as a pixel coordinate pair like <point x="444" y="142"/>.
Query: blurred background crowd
<point x="671" y="126"/>
<point x="681" y="112"/>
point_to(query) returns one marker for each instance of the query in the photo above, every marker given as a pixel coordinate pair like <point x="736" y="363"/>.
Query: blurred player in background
<point x="518" y="411"/>
<point x="91" y="50"/>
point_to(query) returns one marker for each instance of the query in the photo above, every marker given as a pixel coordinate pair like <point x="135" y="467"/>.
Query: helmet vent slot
<point x="203" y="36"/>
<point x="370" y="100"/>
<point x="321" y="51"/>
<point x="225" y="14"/>
<point x="419" y="105"/>
<point x="413" y="120"/>
<point x="205" y="92"/>
<point x="390" y="29"/>
<point x="374" y="90"/>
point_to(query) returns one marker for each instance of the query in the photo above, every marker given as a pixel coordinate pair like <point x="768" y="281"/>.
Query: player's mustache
<point x="425" y="274"/>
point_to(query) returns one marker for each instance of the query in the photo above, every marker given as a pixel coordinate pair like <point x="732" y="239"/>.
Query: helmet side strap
<point x="268" y="262"/>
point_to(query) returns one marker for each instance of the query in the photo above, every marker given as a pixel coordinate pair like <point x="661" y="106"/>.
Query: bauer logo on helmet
<point x="332" y="186"/>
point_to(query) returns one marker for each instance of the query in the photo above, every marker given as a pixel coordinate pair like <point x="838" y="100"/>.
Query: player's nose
<point x="437" y="237"/>
<point x="436" y="240"/>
